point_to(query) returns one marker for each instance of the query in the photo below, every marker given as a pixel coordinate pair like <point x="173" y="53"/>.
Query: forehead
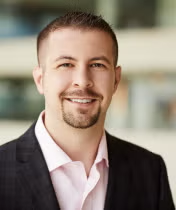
<point x="78" y="42"/>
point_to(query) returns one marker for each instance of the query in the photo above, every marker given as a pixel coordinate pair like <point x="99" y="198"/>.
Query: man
<point x="66" y="160"/>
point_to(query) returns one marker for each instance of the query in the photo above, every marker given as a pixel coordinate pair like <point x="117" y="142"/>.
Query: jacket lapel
<point x="118" y="188"/>
<point x="33" y="173"/>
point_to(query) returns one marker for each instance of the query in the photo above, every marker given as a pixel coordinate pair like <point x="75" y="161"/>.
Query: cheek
<point x="55" y="84"/>
<point x="105" y="83"/>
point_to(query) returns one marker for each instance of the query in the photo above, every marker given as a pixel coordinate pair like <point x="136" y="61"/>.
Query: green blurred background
<point x="144" y="108"/>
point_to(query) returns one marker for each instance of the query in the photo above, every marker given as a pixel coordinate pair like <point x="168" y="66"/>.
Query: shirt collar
<point x="102" y="152"/>
<point x="54" y="155"/>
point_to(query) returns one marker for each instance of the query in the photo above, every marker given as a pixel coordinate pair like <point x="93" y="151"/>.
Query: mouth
<point x="81" y="100"/>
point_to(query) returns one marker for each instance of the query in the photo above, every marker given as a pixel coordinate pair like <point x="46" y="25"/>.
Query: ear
<point x="117" y="77"/>
<point x="38" y="78"/>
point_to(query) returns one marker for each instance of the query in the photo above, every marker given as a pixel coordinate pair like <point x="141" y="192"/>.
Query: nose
<point x="82" y="78"/>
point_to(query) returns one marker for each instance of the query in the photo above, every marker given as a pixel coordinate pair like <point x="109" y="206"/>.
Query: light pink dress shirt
<point x="73" y="189"/>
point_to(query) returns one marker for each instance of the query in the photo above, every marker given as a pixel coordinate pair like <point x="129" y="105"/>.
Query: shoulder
<point x="133" y="154"/>
<point x="146" y="170"/>
<point x="9" y="149"/>
<point x="141" y="163"/>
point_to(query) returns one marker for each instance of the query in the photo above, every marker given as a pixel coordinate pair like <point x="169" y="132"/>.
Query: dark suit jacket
<point x="137" y="177"/>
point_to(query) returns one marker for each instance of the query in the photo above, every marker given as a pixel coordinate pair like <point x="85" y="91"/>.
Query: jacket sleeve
<point x="165" y="196"/>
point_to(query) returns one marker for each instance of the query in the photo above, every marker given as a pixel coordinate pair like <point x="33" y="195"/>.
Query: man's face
<point x="78" y="77"/>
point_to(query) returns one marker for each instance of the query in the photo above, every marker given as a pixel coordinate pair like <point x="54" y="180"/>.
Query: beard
<point x="82" y="119"/>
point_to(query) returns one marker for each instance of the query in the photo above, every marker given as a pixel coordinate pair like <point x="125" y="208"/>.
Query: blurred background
<point x="143" y="110"/>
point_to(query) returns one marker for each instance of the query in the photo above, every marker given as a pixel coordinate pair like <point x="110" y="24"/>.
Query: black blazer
<point x="137" y="177"/>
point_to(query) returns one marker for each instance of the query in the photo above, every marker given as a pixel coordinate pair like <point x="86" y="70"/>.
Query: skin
<point x="77" y="64"/>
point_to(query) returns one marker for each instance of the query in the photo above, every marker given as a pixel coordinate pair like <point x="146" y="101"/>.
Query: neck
<point x="78" y="144"/>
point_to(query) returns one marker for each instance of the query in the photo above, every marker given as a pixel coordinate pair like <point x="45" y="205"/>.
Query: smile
<point x="82" y="101"/>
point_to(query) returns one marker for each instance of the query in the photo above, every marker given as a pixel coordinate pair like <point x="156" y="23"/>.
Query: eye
<point x="66" y="65"/>
<point x="98" y="65"/>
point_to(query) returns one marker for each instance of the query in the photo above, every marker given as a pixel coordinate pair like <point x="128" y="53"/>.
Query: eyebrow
<point x="62" y="57"/>
<point x="104" y="58"/>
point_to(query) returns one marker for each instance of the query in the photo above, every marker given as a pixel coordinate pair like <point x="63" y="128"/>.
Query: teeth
<point x="84" y="101"/>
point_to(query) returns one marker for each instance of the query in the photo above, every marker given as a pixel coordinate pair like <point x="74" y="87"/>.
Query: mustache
<point x="82" y="93"/>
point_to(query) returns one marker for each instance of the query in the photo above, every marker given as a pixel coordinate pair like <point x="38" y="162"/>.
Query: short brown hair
<point x="79" y="20"/>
